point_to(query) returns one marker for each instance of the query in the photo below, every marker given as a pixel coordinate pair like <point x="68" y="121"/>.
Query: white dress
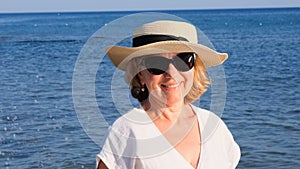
<point x="134" y="142"/>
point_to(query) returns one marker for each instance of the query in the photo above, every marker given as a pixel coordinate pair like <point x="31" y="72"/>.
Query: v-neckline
<point x="173" y="149"/>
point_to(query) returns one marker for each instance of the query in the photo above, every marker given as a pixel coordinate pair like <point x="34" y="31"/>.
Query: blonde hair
<point x="200" y="83"/>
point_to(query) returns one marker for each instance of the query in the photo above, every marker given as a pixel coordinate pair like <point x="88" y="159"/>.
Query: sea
<point x="50" y="61"/>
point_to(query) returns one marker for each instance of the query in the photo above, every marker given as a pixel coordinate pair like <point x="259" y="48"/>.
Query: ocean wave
<point x="18" y="39"/>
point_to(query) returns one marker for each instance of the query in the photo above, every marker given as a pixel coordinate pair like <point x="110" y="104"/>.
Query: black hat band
<point x="147" y="39"/>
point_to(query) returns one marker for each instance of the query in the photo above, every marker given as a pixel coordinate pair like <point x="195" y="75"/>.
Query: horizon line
<point x="142" y="10"/>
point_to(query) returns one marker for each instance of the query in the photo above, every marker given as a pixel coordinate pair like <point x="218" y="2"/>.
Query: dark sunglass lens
<point x="185" y="61"/>
<point x="156" y="65"/>
<point x="155" y="71"/>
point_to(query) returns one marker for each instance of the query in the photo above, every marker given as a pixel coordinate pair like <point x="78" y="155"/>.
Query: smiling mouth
<point x="170" y="86"/>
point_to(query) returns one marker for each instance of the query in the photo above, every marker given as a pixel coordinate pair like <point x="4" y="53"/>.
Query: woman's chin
<point x="173" y="98"/>
<point x="166" y="99"/>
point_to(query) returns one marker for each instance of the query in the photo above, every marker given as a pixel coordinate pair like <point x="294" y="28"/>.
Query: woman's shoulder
<point x="131" y="122"/>
<point x="210" y="122"/>
<point x="217" y="137"/>
<point x="204" y="114"/>
<point x="133" y="116"/>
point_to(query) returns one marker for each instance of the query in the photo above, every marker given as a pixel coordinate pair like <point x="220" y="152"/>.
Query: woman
<point x="166" y="70"/>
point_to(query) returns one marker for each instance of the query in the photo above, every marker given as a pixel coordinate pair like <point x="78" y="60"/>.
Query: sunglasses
<point x="158" y="65"/>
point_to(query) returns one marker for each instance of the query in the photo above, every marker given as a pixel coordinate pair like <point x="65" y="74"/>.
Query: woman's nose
<point x="172" y="71"/>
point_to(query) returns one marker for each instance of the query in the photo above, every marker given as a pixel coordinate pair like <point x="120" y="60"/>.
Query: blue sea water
<point x="39" y="127"/>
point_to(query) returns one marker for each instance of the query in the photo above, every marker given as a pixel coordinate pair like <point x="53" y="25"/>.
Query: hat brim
<point x="121" y="55"/>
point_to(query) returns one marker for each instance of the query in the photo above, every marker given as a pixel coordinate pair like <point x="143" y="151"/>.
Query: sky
<point x="128" y="5"/>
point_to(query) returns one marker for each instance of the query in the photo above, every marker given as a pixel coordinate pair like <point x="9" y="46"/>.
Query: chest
<point x="189" y="147"/>
<point x="186" y="141"/>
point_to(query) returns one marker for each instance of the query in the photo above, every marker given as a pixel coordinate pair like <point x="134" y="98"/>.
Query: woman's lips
<point x="170" y="86"/>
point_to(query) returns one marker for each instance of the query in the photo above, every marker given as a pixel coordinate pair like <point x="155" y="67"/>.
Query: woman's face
<point x="170" y="87"/>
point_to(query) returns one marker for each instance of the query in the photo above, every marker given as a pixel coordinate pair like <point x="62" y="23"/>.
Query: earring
<point x="143" y="89"/>
<point x="143" y="94"/>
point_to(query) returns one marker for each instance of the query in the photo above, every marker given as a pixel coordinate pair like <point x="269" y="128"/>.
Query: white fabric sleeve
<point x="118" y="150"/>
<point x="233" y="149"/>
<point x="235" y="152"/>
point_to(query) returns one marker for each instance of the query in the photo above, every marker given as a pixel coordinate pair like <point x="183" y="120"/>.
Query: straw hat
<point x="164" y="37"/>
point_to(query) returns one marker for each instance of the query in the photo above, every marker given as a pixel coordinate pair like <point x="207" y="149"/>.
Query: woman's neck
<point x="167" y="112"/>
